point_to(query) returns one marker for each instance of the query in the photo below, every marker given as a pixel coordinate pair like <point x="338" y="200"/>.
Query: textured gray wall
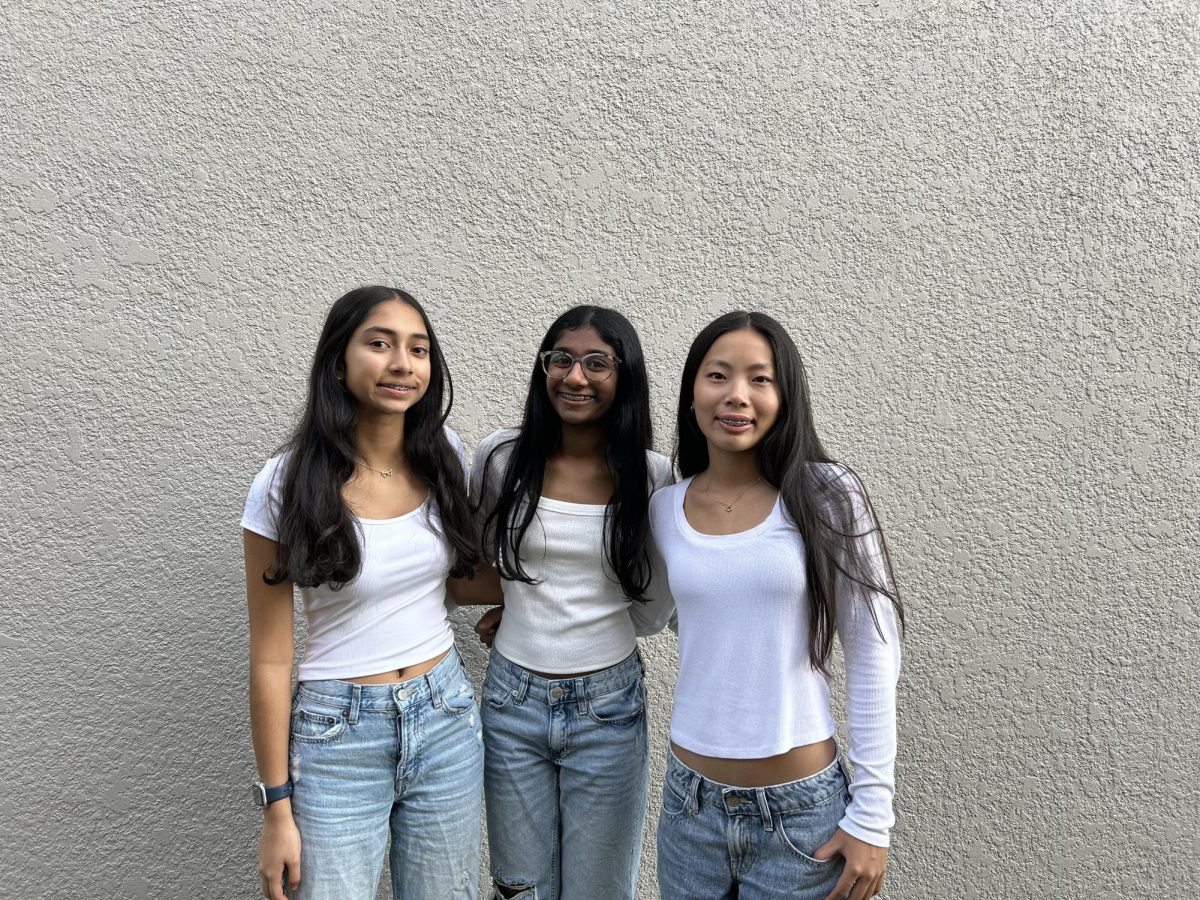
<point x="979" y="220"/>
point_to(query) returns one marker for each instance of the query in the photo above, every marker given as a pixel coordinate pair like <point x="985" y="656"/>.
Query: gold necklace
<point x="729" y="506"/>
<point x="385" y="473"/>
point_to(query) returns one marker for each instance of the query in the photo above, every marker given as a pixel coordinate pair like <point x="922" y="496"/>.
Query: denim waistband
<point x="564" y="690"/>
<point x="695" y="789"/>
<point x="367" y="697"/>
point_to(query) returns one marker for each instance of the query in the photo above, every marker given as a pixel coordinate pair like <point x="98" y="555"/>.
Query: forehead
<point x="394" y="316"/>
<point x="743" y="347"/>
<point x="582" y="340"/>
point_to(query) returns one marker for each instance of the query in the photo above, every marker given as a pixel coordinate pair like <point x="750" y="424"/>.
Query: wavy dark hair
<point x="630" y="435"/>
<point x="826" y="502"/>
<point x="318" y="535"/>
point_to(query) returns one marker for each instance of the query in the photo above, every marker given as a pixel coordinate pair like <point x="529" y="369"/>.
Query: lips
<point x="397" y="389"/>
<point x="575" y="398"/>
<point x="735" y="424"/>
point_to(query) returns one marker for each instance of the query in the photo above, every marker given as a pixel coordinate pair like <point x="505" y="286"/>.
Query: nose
<point x="400" y="361"/>
<point x="575" y="374"/>
<point x="737" y="392"/>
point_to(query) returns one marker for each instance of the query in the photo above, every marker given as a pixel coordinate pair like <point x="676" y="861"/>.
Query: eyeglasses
<point x="595" y="366"/>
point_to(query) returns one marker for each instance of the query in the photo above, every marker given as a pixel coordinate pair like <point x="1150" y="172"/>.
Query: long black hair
<point x="824" y="498"/>
<point x="318" y="535"/>
<point x="629" y="436"/>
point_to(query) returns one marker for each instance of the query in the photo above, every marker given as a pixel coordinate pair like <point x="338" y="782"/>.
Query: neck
<point x="379" y="440"/>
<point x="732" y="469"/>
<point x="584" y="441"/>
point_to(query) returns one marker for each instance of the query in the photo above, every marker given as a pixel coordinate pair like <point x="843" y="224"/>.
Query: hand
<point x="863" y="875"/>
<point x="488" y="624"/>
<point x="279" y="851"/>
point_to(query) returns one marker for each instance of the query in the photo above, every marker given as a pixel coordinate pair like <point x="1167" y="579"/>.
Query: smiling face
<point x="577" y="400"/>
<point x="387" y="364"/>
<point x="736" y="398"/>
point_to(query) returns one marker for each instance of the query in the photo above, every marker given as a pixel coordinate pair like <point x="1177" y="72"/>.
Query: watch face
<point x="259" y="792"/>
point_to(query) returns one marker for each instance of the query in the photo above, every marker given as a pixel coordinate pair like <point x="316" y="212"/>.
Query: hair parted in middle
<point x="824" y="498"/>
<point x="630" y="434"/>
<point x="318" y="534"/>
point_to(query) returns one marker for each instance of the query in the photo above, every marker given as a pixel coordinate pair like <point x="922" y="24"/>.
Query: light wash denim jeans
<point x="404" y="760"/>
<point x="717" y="842"/>
<point x="566" y="778"/>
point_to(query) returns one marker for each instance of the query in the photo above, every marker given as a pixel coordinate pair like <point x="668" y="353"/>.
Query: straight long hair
<point x="827" y="503"/>
<point x="630" y="434"/>
<point x="319" y="539"/>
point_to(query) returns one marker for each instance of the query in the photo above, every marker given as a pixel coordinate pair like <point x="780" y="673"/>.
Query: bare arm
<point x="482" y="590"/>
<point x="271" y="656"/>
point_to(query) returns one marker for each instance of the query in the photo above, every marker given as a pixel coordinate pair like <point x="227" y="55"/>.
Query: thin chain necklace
<point x="729" y="506"/>
<point x="385" y="473"/>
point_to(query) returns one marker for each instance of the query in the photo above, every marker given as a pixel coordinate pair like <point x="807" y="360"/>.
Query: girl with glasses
<point x="366" y="512"/>
<point x="771" y="550"/>
<point x="563" y="503"/>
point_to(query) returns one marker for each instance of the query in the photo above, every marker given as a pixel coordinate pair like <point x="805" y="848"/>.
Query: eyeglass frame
<point x="616" y="361"/>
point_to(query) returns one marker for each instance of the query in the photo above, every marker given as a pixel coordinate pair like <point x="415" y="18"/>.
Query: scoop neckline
<point x="689" y="531"/>
<point x="408" y="515"/>
<point x="572" y="509"/>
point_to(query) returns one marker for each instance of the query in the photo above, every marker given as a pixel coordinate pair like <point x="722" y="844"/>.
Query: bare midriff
<point x="797" y="763"/>
<point x="563" y="676"/>
<point x="395" y="676"/>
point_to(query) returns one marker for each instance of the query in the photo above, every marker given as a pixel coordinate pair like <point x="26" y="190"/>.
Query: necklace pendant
<point x="728" y="508"/>
<point x="386" y="473"/>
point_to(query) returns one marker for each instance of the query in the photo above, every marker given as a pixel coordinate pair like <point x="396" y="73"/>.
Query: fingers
<point x="272" y="884"/>
<point x="293" y="874"/>
<point x="842" y="889"/>
<point x="830" y="848"/>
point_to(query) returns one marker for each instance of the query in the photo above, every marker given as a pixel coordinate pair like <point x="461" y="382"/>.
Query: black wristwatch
<point x="265" y="796"/>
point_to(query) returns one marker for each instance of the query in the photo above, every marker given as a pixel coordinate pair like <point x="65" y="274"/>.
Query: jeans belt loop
<point x="523" y="688"/>
<point x="765" y="809"/>
<point x="355" y="702"/>
<point x="435" y="694"/>
<point x="694" y="794"/>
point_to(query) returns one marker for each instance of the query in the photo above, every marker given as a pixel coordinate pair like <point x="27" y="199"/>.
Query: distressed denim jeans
<point x="717" y="842"/>
<point x="566" y="778"/>
<point x="403" y="761"/>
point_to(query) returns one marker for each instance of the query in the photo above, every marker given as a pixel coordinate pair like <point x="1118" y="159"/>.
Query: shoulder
<point x="268" y="477"/>
<point x="667" y="497"/>
<point x="662" y="472"/>
<point x="456" y="445"/>
<point x="499" y="443"/>
<point x="838" y="488"/>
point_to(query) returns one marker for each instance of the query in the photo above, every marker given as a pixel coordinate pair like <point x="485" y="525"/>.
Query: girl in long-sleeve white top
<point x="771" y="550"/>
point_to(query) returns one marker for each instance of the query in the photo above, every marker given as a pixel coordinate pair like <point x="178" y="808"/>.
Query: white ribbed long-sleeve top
<point x="746" y="688"/>
<point x="576" y="618"/>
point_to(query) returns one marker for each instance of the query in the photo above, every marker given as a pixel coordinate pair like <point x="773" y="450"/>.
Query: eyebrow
<point x="393" y="334"/>
<point x="585" y="352"/>
<point x="724" y="365"/>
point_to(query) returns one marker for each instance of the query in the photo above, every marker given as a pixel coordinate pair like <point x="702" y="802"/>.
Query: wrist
<point x="280" y="810"/>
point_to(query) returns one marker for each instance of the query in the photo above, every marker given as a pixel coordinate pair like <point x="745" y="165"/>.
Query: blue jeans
<point x="717" y="842"/>
<point x="566" y="778"/>
<point x="404" y="760"/>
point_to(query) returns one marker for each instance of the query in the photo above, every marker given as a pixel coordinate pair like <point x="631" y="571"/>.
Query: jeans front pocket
<point x="804" y="831"/>
<point x="313" y="727"/>
<point x="458" y="700"/>
<point x="496" y="694"/>
<point x="623" y="706"/>
<point x="673" y="804"/>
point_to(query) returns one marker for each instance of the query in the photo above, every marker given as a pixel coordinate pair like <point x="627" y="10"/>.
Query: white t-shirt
<point x="576" y="618"/>
<point x="746" y="689"/>
<point x="394" y="613"/>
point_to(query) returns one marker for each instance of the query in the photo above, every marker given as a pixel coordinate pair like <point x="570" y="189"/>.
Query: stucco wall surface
<point x="979" y="221"/>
